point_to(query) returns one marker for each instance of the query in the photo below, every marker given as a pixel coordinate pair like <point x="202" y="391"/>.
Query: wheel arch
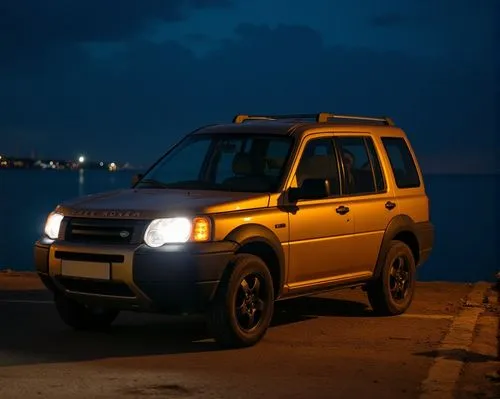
<point x="260" y="241"/>
<point x="402" y="228"/>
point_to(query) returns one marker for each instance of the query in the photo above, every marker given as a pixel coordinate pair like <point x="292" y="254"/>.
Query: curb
<point x="452" y="354"/>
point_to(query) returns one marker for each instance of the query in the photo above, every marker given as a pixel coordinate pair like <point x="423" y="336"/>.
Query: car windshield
<point x="225" y="162"/>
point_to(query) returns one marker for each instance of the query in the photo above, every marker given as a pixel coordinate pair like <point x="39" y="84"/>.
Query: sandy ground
<point x="327" y="346"/>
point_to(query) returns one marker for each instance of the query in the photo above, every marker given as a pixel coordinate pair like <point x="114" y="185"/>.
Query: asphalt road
<point x="328" y="346"/>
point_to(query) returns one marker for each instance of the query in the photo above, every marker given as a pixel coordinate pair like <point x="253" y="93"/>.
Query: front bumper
<point x="172" y="279"/>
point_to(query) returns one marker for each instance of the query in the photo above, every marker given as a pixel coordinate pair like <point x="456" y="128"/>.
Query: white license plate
<point x="96" y="270"/>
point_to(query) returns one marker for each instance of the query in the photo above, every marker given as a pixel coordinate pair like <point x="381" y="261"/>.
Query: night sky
<point x="121" y="80"/>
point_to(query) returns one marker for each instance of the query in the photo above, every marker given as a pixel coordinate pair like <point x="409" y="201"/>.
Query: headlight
<point x="176" y="230"/>
<point x="53" y="224"/>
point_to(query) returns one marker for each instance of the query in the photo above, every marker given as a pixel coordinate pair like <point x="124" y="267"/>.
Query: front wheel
<point x="243" y="305"/>
<point x="392" y="293"/>
<point x="81" y="317"/>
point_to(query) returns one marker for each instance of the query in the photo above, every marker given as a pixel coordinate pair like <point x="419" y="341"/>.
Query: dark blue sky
<point x="122" y="82"/>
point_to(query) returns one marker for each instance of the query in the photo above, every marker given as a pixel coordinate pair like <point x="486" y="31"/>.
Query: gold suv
<point x="237" y="216"/>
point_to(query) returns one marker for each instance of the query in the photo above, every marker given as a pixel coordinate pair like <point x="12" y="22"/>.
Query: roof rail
<point x="321" y="117"/>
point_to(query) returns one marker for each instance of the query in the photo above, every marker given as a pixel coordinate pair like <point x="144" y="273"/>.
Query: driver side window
<point x="319" y="161"/>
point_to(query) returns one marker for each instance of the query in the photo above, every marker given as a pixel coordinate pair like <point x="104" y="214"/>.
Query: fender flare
<point x="256" y="233"/>
<point x="399" y="224"/>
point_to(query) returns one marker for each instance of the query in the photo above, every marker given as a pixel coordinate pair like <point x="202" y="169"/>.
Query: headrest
<point x="323" y="164"/>
<point x="275" y="163"/>
<point x="242" y="164"/>
<point x="316" y="167"/>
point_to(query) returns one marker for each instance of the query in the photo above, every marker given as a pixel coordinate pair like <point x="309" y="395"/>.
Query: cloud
<point x="389" y="20"/>
<point x="201" y="4"/>
<point x="32" y="26"/>
<point x="134" y="103"/>
<point x="197" y="38"/>
<point x="436" y="14"/>
<point x="450" y="8"/>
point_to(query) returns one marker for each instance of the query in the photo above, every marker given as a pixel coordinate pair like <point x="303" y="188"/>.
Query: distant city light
<point x="101" y="163"/>
<point x="81" y="159"/>
<point x="112" y="167"/>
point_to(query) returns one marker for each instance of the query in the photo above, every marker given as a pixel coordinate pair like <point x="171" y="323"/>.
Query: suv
<point x="237" y="216"/>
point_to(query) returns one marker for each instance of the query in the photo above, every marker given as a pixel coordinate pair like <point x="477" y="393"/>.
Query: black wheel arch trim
<point x="399" y="224"/>
<point x="257" y="233"/>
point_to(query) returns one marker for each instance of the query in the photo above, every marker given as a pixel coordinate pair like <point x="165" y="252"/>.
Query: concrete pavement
<point x="328" y="346"/>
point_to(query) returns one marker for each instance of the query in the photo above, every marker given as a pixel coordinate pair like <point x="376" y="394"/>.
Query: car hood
<point x="155" y="203"/>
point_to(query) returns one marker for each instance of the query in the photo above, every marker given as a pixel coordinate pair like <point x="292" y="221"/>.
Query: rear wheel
<point x="392" y="293"/>
<point x="243" y="305"/>
<point x="82" y="317"/>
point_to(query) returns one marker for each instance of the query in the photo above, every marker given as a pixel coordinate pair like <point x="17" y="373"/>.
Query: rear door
<point x="409" y="185"/>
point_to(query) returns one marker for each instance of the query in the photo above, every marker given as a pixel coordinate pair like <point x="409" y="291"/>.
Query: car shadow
<point x="25" y="295"/>
<point x="306" y="308"/>
<point x="33" y="333"/>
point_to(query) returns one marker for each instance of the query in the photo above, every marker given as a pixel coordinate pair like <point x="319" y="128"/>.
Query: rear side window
<point x="403" y="167"/>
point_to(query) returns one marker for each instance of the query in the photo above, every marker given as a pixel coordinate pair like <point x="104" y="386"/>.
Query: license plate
<point x="96" y="270"/>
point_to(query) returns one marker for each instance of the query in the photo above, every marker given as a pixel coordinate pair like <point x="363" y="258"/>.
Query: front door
<point x="371" y="199"/>
<point x="319" y="228"/>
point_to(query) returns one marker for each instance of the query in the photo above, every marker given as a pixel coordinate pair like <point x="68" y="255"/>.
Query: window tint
<point x="377" y="169"/>
<point x="227" y="150"/>
<point x="358" y="171"/>
<point x="253" y="163"/>
<point x="185" y="164"/>
<point x="226" y="162"/>
<point x="276" y="156"/>
<point x="319" y="162"/>
<point x="403" y="167"/>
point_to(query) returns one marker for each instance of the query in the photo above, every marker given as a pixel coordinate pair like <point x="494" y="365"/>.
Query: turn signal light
<point x="201" y="229"/>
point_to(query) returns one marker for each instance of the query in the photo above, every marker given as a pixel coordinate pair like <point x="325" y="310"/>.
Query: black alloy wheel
<point x="392" y="292"/>
<point x="243" y="305"/>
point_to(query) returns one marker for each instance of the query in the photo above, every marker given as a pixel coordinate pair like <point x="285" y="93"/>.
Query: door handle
<point x="390" y="205"/>
<point x="342" y="210"/>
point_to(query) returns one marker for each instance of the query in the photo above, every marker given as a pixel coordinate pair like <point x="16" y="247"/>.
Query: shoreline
<point x="140" y="169"/>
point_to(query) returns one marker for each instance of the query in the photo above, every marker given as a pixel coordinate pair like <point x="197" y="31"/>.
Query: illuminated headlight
<point x="170" y="230"/>
<point x="53" y="224"/>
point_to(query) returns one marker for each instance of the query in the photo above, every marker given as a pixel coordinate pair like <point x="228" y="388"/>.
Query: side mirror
<point x="136" y="178"/>
<point x="310" y="189"/>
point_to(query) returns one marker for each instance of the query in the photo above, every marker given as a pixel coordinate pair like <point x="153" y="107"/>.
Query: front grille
<point x="88" y="257"/>
<point x="104" y="231"/>
<point x="110" y="288"/>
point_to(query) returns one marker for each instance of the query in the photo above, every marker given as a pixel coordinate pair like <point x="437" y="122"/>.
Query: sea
<point x="464" y="210"/>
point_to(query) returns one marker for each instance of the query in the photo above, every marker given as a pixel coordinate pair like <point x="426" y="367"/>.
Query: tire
<point x="382" y="298"/>
<point x="229" y="320"/>
<point x="81" y="317"/>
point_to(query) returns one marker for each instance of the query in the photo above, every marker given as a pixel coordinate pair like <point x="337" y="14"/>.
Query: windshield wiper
<point x="153" y="182"/>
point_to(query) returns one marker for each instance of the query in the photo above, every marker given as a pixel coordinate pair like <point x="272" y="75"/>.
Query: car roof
<point x="303" y="124"/>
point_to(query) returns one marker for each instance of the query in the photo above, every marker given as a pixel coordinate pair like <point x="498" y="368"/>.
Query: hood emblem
<point x="105" y="213"/>
<point x="124" y="234"/>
